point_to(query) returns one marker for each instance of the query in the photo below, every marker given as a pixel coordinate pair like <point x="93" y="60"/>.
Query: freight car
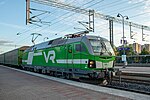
<point x="75" y="55"/>
<point x="1" y="58"/>
<point x="13" y="58"/>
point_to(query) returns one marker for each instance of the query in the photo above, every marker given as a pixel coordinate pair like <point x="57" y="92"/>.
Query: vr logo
<point x="49" y="56"/>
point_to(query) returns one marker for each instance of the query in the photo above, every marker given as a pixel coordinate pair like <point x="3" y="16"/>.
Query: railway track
<point x="136" y="82"/>
<point x="129" y="86"/>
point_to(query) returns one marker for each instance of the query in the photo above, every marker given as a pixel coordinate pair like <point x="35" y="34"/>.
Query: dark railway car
<point x="2" y="59"/>
<point x="14" y="57"/>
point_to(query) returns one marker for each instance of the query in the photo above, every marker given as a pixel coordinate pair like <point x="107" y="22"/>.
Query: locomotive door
<point x="69" y="55"/>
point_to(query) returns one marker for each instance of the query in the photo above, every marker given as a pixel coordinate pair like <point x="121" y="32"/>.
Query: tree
<point x="144" y="52"/>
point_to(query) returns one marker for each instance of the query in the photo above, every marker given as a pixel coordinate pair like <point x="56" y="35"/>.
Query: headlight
<point x="91" y="64"/>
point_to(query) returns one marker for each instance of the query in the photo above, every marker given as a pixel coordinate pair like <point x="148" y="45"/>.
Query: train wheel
<point x="65" y="75"/>
<point x="23" y="67"/>
<point x="31" y="69"/>
<point x="38" y="70"/>
<point x="51" y="73"/>
<point x="43" y="71"/>
<point x="68" y="76"/>
<point x="35" y="70"/>
<point x="55" y="74"/>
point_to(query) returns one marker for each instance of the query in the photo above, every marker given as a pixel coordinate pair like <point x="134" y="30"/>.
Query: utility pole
<point x="27" y="11"/>
<point x="143" y="39"/>
<point x="131" y="37"/>
<point x="88" y="25"/>
<point x="91" y="20"/>
<point x="124" y="53"/>
<point x="111" y="33"/>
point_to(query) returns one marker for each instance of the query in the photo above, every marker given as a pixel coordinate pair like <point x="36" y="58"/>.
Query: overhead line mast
<point x="27" y="11"/>
<point x="86" y="12"/>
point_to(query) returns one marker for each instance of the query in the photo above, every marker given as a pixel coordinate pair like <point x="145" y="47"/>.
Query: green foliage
<point x="144" y="52"/>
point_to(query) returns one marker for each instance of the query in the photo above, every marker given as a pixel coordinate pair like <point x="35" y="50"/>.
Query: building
<point x="142" y="47"/>
<point x="139" y="48"/>
<point x="136" y="47"/>
<point x="147" y="47"/>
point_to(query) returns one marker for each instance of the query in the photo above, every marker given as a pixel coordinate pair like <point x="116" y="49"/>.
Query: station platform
<point x="130" y="69"/>
<point x="22" y="85"/>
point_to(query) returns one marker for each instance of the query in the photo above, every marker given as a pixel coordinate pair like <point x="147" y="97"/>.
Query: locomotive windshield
<point x="101" y="47"/>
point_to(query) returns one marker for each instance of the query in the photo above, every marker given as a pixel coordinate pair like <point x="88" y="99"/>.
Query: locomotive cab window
<point x="101" y="47"/>
<point x="80" y="48"/>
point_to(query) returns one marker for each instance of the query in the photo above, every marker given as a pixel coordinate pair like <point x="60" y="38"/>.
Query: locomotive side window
<point x="80" y="48"/>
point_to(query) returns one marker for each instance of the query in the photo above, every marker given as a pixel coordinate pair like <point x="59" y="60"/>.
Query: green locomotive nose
<point x="102" y="52"/>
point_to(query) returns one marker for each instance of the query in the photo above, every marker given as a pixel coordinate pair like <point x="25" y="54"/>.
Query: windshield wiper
<point x="103" y="46"/>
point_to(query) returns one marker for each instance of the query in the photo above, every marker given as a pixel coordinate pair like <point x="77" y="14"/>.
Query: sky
<point x="14" y="32"/>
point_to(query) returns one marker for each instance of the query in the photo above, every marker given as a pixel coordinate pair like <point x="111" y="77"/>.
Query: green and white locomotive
<point x="75" y="55"/>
